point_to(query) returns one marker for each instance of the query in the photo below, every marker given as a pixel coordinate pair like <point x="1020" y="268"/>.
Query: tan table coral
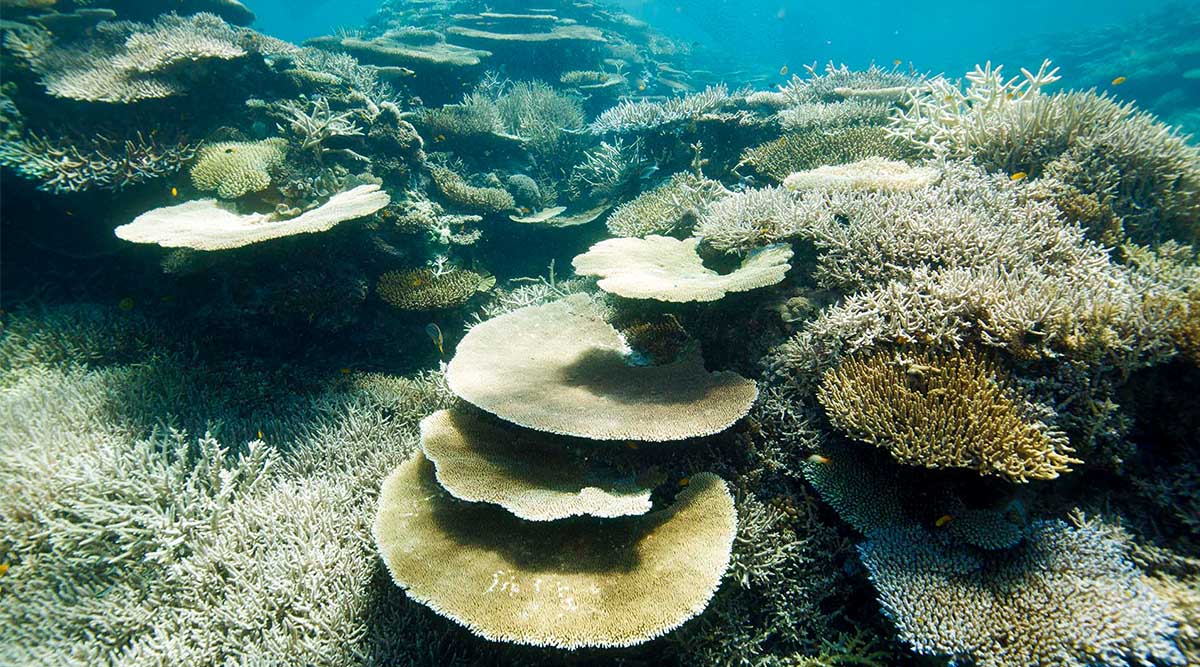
<point x="569" y="584"/>
<point x="535" y="476"/>
<point x="206" y="224"/>
<point x="667" y="269"/>
<point x="560" y="368"/>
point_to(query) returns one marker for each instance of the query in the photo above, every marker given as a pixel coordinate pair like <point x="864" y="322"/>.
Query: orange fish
<point x="1118" y="81"/>
<point x="817" y="458"/>
<point x="685" y="481"/>
<point x="3" y="569"/>
<point x="345" y="371"/>
<point x="943" y="520"/>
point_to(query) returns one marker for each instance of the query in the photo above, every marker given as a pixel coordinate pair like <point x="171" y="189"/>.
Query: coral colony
<point x="870" y="368"/>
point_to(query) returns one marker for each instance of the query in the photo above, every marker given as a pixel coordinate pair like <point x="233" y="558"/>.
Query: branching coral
<point x="467" y="196"/>
<point x="839" y="83"/>
<point x="606" y="169"/>
<point x="629" y="116"/>
<point x="797" y="152"/>
<point x="672" y="206"/>
<point x="753" y="218"/>
<point x="315" y="123"/>
<point x="873" y="174"/>
<point x="1066" y="597"/>
<point x="1145" y="171"/>
<point x="943" y="410"/>
<point x="426" y="289"/>
<point x="817" y="116"/>
<point x="77" y="164"/>
<point x="543" y="116"/>
<point x="236" y="168"/>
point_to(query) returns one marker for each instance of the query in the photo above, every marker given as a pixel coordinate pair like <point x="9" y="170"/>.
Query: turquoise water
<point x="541" y="333"/>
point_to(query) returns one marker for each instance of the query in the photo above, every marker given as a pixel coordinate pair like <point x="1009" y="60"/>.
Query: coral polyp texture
<point x="667" y="269"/>
<point x="560" y="368"/>
<point x="235" y="168"/>
<point x="566" y="584"/>
<point x="206" y="224"/>
<point x="1067" y="597"/>
<point x="943" y="410"/>
<point x="426" y="289"/>
<point x="534" y="476"/>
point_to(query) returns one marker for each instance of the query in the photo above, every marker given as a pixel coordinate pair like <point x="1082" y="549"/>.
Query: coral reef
<point x="797" y="152"/>
<point x="872" y="174"/>
<point x="472" y="198"/>
<point x="1067" y="596"/>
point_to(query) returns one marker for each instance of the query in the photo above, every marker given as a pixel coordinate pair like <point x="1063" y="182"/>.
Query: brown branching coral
<point x="426" y="289"/>
<point x="943" y="410"/>
<point x="98" y="162"/>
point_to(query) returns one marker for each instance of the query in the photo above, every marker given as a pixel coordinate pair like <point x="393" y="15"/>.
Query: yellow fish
<point x="897" y="62"/>
<point x="783" y="71"/>
<point x="345" y="371"/>
<point x="1118" y="81"/>
<point x="3" y="569"/>
<point x="943" y="520"/>
<point x="174" y="191"/>
<point x="260" y="435"/>
<point x="641" y="85"/>
<point x="1019" y="176"/>
<point x="126" y="304"/>
<point x="685" y="481"/>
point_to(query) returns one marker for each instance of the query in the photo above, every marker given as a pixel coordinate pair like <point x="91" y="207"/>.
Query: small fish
<point x="71" y="214"/>
<point x="817" y="458"/>
<point x="260" y="434"/>
<point x="641" y="85"/>
<point x="435" y="335"/>
<point x="783" y="71"/>
<point x="440" y="137"/>
<point x="126" y="304"/>
<point x="166" y="298"/>
<point x="344" y="371"/>
<point x="943" y="520"/>
<point x="896" y="62"/>
<point x="174" y="191"/>
<point x="631" y="445"/>
<point x="1118" y="81"/>
<point x="685" y="481"/>
<point x="1019" y="176"/>
<point x="3" y="569"/>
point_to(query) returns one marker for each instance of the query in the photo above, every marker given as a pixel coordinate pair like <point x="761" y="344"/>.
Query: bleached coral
<point x="630" y="116"/>
<point x="1066" y="597"/>
<point x="837" y="83"/>
<point x="753" y="218"/>
<point x="873" y="174"/>
<point x="795" y="152"/>
<point x="823" y="116"/>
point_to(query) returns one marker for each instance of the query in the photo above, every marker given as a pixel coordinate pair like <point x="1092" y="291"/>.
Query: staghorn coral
<point x="427" y="289"/>
<point x="533" y="476"/>
<point x="841" y="82"/>
<point x="476" y="116"/>
<point x="1146" y="172"/>
<point x="236" y="168"/>
<point x="565" y="584"/>
<point x="873" y="174"/>
<point x="206" y="224"/>
<point x="797" y="152"/>
<point x="126" y="62"/>
<point x="543" y="116"/>
<point x="753" y="218"/>
<point x="314" y="123"/>
<point x="673" y="205"/>
<point x="629" y="116"/>
<point x="606" y="170"/>
<point x="463" y="195"/>
<point x="564" y="371"/>
<point x="667" y="269"/>
<point x="78" y="164"/>
<point x="943" y="410"/>
<point x="864" y="487"/>
<point x="1066" y="597"/>
<point x="819" y="116"/>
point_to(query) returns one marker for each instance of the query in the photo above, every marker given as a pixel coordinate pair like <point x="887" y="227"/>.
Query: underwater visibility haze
<point x="583" y="332"/>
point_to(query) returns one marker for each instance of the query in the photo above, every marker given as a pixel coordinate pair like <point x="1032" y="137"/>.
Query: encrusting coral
<point x="560" y="368"/>
<point x="567" y="584"/>
<point x="236" y="168"/>
<point x="534" y="476"/>
<point x="206" y="224"/>
<point x="1068" y="596"/>
<point x="941" y="410"/>
<point x="426" y="289"/>
<point x="667" y="269"/>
